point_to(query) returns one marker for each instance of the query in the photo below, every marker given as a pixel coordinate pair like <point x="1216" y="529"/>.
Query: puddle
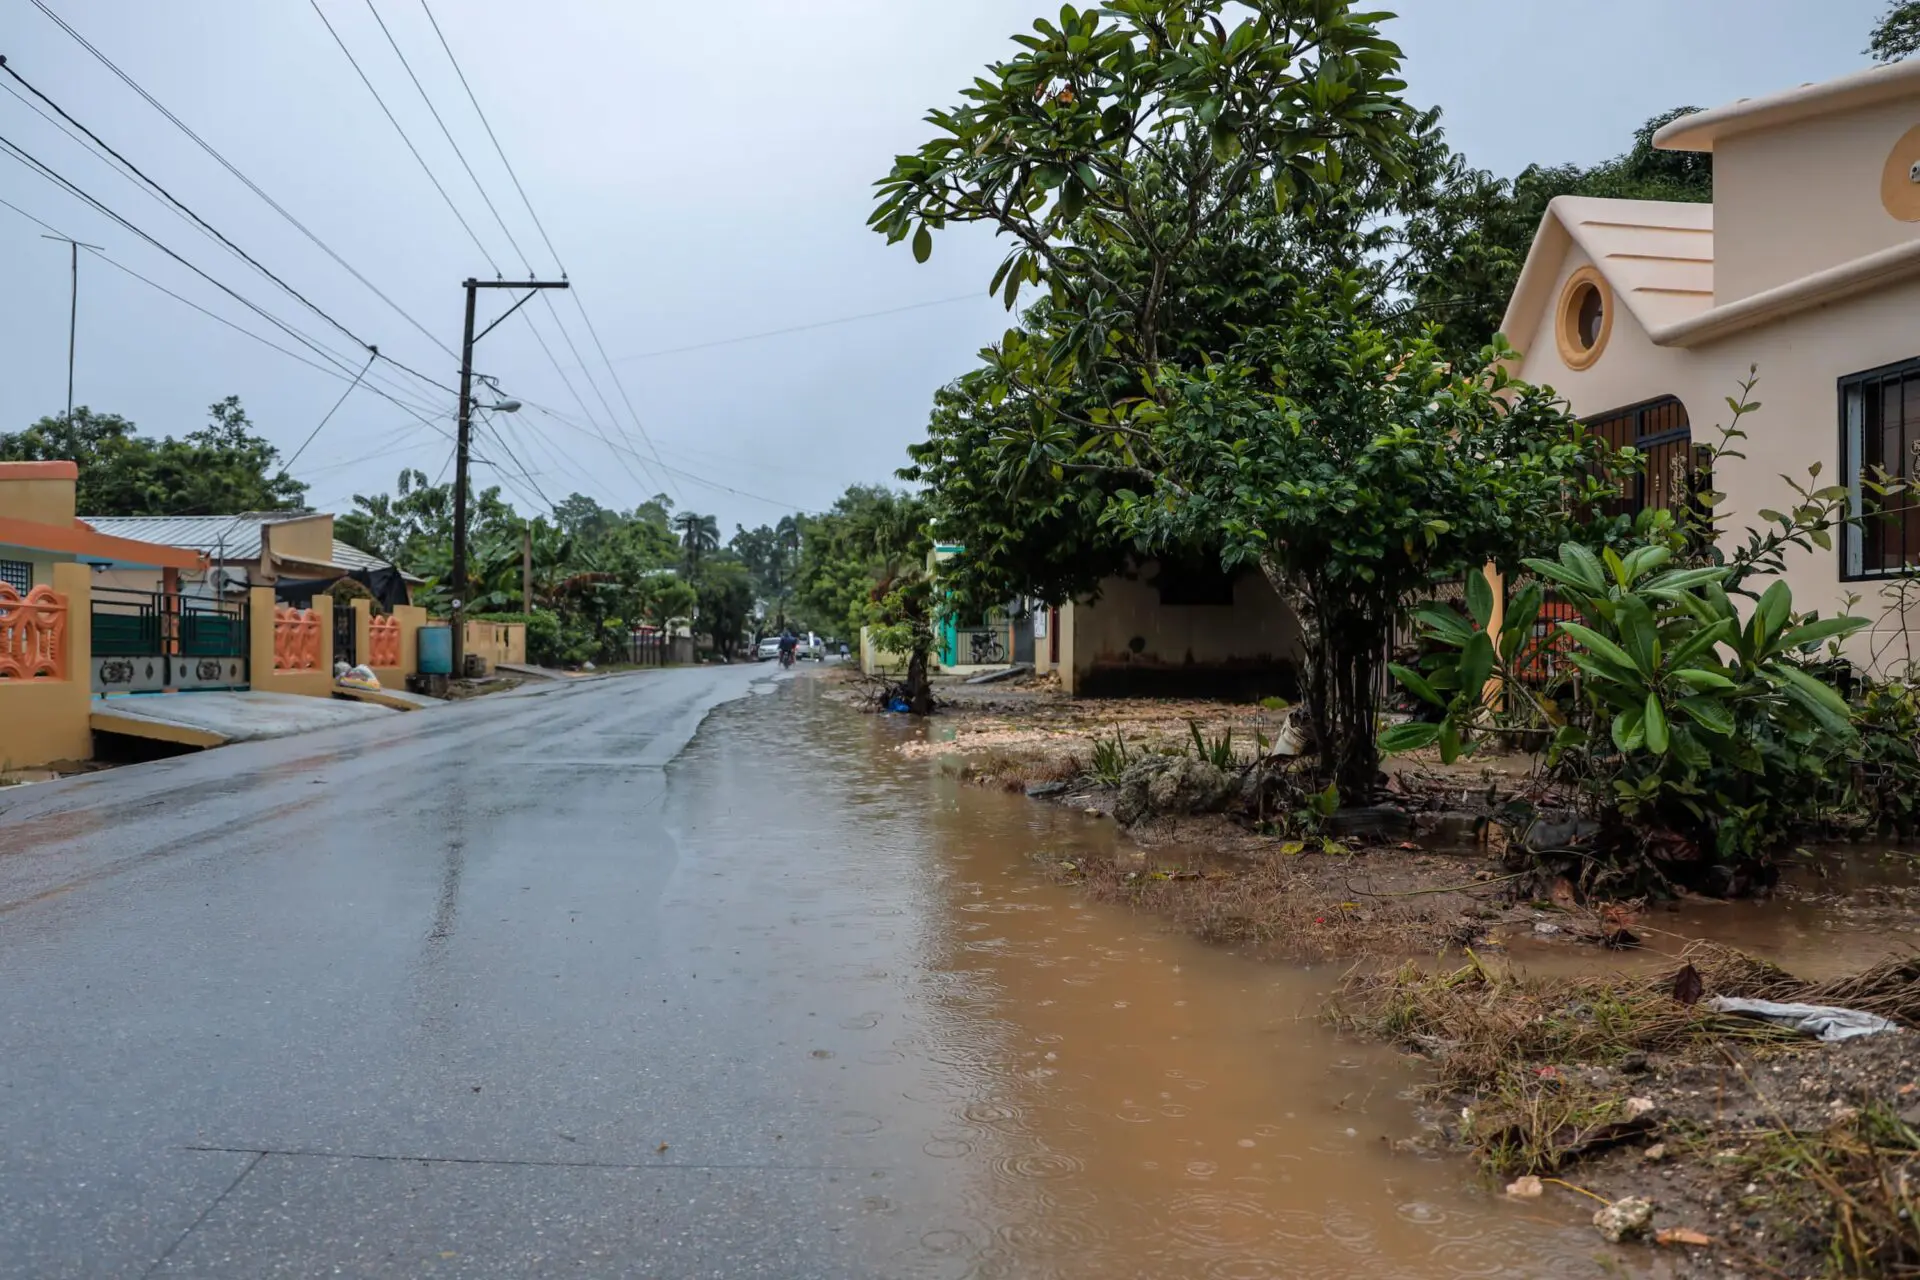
<point x="1055" y="1088"/>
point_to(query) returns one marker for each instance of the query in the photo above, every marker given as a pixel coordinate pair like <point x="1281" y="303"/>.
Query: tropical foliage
<point x="223" y="468"/>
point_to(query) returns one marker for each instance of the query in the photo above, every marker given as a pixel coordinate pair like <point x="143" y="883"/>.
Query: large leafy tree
<point x="772" y="556"/>
<point x="698" y="536"/>
<point x="856" y="551"/>
<point x="724" y="590"/>
<point x="1355" y="468"/>
<point x="223" y="468"/>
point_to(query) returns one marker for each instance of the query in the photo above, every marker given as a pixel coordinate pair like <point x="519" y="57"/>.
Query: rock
<point x="1450" y="829"/>
<point x="1190" y="786"/>
<point x="1635" y="1063"/>
<point x="1132" y="804"/>
<point x="1046" y="790"/>
<point x="1625" y="1219"/>
<point x="1638" y="1107"/>
<point x="1376" y="821"/>
<point x="1546" y="928"/>
<point x="1546" y="834"/>
<point x="1171" y="784"/>
<point x="1656" y="1153"/>
<point x="1527" y="1188"/>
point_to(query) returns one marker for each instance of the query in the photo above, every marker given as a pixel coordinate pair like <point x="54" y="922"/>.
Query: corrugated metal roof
<point x="231" y="537"/>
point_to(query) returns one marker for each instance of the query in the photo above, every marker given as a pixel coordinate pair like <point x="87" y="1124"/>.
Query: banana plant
<point x="1681" y="715"/>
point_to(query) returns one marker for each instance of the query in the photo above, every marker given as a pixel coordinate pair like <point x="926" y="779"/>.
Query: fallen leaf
<point x="1681" y="1235"/>
<point x="1408" y="844"/>
<point x="1527" y="1188"/>
<point x="1687" y="986"/>
<point x="661" y="1149"/>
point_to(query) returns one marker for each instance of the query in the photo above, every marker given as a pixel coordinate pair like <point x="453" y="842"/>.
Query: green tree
<point x="1354" y="469"/>
<point x="223" y="468"/>
<point x="1897" y="34"/>
<point x="725" y="594"/>
<point x="772" y="555"/>
<point x="698" y="535"/>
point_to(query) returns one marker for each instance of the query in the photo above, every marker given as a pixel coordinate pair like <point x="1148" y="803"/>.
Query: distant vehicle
<point x="768" y="649"/>
<point x="812" y="646"/>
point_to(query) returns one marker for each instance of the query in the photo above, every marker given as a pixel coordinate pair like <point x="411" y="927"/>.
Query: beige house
<point x="258" y="549"/>
<point x="1646" y="316"/>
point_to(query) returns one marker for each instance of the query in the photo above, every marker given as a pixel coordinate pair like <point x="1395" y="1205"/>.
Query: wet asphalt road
<point x="416" y="998"/>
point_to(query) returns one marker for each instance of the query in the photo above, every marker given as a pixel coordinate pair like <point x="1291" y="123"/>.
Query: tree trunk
<point x="919" y="685"/>
<point x="1339" y="664"/>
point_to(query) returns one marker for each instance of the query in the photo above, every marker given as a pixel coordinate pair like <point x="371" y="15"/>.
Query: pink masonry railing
<point x="384" y="641"/>
<point x="296" y="639"/>
<point x="33" y="634"/>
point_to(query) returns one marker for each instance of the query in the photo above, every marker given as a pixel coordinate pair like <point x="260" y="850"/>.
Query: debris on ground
<point x="1624" y="1219"/>
<point x="1821" y="1021"/>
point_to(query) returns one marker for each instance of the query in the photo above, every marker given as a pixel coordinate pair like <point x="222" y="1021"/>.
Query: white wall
<point x="1096" y="643"/>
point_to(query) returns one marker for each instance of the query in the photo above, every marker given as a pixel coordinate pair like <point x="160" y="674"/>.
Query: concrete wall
<point x="1796" y="199"/>
<point x="1800" y="361"/>
<point x="497" y="642"/>
<point x="41" y="492"/>
<point x="309" y="538"/>
<point x="875" y="661"/>
<point x="317" y="683"/>
<point x="45" y="722"/>
<point x="1126" y="641"/>
<point x="411" y="618"/>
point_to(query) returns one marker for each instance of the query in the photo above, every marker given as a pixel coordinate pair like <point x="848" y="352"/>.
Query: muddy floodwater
<point x="1042" y="1087"/>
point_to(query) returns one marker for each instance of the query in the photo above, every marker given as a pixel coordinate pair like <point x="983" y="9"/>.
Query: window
<point x="17" y="574"/>
<point x="1674" y="470"/>
<point x="1199" y="582"/>
<point x="1586" y="318"/>
<point x="1880" y="431"/>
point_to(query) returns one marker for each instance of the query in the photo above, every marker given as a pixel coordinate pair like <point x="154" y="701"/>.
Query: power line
<point x="448" y="134"/>
<point x="551" y="309"/>
<point x="250" y="184"/>
<point x="501" y="439"/>
<point x="497" y="148"/>
<point x="252" y="261"/>
<point x="798" y="328"/>
<point x="694" y="478"/>
<point x="288" y="465"/>
<point x="391" y="119"/>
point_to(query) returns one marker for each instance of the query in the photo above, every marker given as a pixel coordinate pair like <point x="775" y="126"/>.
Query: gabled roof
<point x="1700" y="131"/>
<point x="231" y="538"/>
<point x="1657" y="255"/>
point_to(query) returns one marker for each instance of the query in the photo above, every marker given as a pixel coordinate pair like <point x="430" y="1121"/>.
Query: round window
<point x="1590" y="312"/>
<point x="1586" y="318"/>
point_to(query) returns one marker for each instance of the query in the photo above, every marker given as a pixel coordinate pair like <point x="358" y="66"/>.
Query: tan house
<point x="1646" y="316"/>
<point x="258" y="549"/>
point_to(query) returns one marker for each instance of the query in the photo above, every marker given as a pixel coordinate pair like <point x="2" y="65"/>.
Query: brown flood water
<point x="1046" y="1087"/>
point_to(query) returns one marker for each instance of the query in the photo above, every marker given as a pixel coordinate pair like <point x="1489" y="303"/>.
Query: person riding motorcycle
<point x="788" y="644"/>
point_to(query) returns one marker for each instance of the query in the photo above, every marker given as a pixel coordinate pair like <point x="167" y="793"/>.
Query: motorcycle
<point x="786" y="658"/>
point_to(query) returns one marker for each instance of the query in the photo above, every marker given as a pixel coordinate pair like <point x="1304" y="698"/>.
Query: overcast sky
<point x="704" y="172"/>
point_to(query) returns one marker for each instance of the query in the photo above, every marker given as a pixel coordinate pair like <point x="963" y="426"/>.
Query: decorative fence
<point x="296" y="639"/>
<point x="383" y="639"/>
<point x="653" y="649"/>
<point x="146" y="641"/>
<point x="33" y="634"/>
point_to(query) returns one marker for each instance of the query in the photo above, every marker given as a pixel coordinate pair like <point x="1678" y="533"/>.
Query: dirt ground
<point x="1785" y="1156"/>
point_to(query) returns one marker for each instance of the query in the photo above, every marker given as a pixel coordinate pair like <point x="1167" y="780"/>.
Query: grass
<point x="1847" y="1194"/>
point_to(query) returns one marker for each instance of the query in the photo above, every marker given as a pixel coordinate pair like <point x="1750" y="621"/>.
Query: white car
<point x="768" y="649"/>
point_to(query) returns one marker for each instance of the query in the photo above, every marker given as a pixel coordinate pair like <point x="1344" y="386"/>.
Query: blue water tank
<point x="436" y="651"/>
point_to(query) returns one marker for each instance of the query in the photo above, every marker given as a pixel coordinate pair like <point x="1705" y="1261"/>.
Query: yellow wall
<point x="497" y="642"/>
<point x="411" y="618"/>
<point x="262" y="676"/>
<point x="46" y="721"/>
<point x="309" y="539"/>
<point x="875" y="661"/>
<point x="32" y="491"/>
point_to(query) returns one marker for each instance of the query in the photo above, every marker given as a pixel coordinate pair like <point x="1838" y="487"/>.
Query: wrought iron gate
<point x="147" y="641"/>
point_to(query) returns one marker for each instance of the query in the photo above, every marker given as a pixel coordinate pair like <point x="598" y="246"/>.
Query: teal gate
<point x="147" y="641"/>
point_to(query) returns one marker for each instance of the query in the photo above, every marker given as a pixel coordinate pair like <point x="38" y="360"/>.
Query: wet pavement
<point x="552" y="984"/>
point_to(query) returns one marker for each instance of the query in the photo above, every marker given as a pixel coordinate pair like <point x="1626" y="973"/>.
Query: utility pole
<point x="462" y="446"/>
<point x="526" y="568"/>
<point x="73" y="310"/>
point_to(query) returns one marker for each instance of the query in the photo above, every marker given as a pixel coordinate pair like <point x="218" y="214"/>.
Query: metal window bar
<point x="17" y="574"/>
<point x="1880" y="428"/>
<point x="1661" y="430"/>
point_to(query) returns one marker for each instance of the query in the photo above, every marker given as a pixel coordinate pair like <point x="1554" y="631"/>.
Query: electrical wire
<point x="311" y="435"/>
<point x="500" y="438"/>
<point x="494" y="138"/>
<point x="391" y="119"/>
<point x="448" y="134"/>
<point x="692" y="477"/>
<point x="231" y="168"/>
<point x="252" y="261"/>
<point x="612" y="373"/>
<point x="798" y="328"/>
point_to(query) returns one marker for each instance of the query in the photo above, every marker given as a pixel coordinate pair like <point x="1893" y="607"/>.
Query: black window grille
<point x="17" y="574"/>
<point x="1674" y="470"/>
<point x="1880" y="431"/>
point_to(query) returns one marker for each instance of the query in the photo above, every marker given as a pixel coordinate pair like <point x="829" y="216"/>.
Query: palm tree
<point x="698" y="535"/>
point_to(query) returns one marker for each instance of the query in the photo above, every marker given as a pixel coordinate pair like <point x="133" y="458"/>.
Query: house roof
<point x="1657" y="255"/>
<point x="1700" y="131"/>
<point x="232" y="538"/>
